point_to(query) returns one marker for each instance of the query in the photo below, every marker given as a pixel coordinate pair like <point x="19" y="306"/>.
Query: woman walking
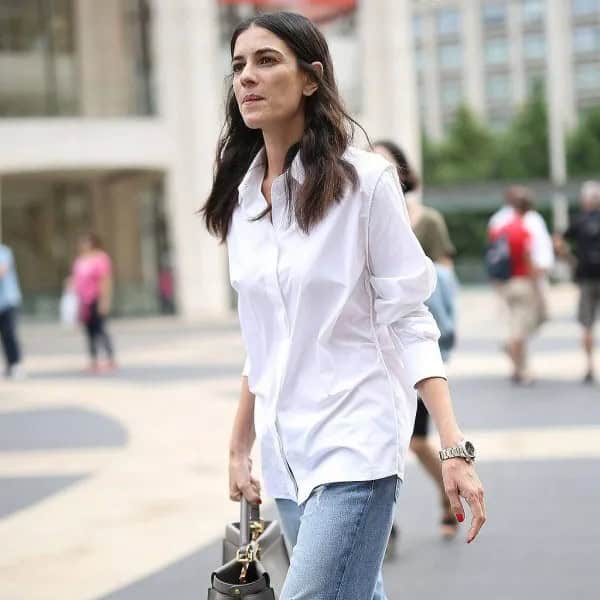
<point x="92" y="283"/>
<point x="331" y="283"/>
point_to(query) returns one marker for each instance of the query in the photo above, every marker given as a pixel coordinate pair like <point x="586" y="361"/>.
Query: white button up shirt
<point x="335" y="329"/>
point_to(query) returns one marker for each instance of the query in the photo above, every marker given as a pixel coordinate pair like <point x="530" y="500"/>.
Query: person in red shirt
<point x="519" y="292"/>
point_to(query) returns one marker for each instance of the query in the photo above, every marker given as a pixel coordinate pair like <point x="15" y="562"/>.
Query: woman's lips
<point x="251" y="98"/>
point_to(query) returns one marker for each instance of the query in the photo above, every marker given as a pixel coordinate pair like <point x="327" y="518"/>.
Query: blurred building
<point x="109" y="115"/>
<point x="107" y="122"/>
<point x="489" y="53"/>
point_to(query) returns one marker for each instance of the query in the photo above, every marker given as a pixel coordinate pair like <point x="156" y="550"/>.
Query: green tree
<point x="583" y="146"/>
<point x="467" y="153"/>
<point x="522" y="152"/>
<point x="431" y="158"/>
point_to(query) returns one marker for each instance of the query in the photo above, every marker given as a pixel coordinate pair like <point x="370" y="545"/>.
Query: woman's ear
<point x="312" y="85"/>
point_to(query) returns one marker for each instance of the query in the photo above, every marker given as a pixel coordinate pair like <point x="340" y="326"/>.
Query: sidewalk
<point x="115" y="486"/>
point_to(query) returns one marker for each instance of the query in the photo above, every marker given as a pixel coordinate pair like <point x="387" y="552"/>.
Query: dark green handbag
<point x="248" y="547"/>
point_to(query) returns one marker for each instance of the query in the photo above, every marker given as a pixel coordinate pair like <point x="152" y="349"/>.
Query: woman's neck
<point x="277" y="143"/>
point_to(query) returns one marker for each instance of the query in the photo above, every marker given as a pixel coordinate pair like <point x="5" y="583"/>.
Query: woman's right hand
<point x="241" y="482"/>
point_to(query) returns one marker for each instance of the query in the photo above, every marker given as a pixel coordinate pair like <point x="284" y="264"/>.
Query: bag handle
<point x="248" y="550"/>
<point x="248" y="512"/>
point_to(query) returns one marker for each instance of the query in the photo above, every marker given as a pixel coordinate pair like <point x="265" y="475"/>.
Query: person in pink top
<point x="92" y="283"/>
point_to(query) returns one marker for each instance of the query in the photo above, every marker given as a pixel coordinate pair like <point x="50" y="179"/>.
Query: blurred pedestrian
<point x="520" y="292"/>
<point x="10" y="300"/>
<point x="584" y="233"/>
<point x="542" y="245"/>
<point x="331" y="283"/>
<point x="430" y="228"/>
<point x="92" y="282"/>
<point x="166" y="288"/>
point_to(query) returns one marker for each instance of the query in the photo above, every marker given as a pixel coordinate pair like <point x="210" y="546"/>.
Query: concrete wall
<point x="388" y="75"/>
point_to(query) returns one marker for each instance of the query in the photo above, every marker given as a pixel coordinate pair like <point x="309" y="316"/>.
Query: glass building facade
<point x="65" y="59"/>
<point x="51" y="55"/>
<point x="44" y="214"/>
<point x="499" y="50"/>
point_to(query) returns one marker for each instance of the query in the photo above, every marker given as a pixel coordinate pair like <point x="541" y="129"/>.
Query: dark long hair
<point x="327" y="133"/>
<point x="409" y="180"/>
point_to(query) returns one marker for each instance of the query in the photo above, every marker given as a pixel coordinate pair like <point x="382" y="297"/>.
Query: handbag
<point x="255" y="557"/>
<point x="69" y="308"/>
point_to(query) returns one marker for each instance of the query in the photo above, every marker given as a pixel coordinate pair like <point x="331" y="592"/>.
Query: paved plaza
<point x="114" y="487"/>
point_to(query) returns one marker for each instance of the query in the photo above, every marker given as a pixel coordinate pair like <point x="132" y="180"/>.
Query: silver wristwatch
<point x="463" y="449"/>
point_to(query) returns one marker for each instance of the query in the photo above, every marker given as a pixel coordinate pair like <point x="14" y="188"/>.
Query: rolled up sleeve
<point x="246" y="368"/>
<point x="402" y="278"/>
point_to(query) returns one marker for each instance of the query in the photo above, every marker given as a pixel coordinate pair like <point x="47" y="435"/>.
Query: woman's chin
<point x="253" y="122"/>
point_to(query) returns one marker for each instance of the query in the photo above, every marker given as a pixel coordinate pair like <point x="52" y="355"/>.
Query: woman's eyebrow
<point x="259" y="52"/>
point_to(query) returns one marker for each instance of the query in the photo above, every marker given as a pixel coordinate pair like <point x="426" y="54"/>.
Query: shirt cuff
<point x="422" y="360"/>
<point x="246" y="369"/>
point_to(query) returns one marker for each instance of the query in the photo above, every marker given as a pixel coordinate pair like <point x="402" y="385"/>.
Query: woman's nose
<point x="248" y="75"/>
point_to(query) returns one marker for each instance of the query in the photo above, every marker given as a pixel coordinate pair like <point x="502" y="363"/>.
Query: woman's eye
<point x="237" y="67"/>
<point x="266" y="60"/>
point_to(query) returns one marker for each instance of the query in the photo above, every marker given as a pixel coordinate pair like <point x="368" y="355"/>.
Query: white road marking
<point x="548" y="443"/>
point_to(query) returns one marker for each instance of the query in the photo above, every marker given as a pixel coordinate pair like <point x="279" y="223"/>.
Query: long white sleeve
<point x="402" y="278"/>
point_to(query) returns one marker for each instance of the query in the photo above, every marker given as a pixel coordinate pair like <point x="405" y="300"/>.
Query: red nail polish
<point x="460" y="518"/>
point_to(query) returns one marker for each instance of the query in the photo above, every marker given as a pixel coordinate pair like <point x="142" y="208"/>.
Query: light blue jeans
<point x="339" y="536"/>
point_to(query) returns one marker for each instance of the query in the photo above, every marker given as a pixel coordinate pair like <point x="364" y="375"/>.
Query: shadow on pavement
<point x="17" y="493"/>
<point x="58" y="428"/>
<point x="184" y="579"/>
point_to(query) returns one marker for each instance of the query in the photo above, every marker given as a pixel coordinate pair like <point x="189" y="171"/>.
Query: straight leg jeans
<point x="339" y="536"/>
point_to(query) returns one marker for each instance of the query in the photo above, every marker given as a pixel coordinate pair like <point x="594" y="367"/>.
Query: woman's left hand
<point x="461" y="479"/>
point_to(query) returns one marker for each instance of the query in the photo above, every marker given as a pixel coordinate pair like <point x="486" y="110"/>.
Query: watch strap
<point x="452" y="452"/>
<point x="455" y="452"/>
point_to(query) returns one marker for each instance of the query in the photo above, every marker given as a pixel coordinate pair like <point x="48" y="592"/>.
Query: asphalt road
<point x="541" y="473"/>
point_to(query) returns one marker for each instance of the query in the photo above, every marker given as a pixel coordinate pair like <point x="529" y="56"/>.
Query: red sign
<point x="316" y="10"/>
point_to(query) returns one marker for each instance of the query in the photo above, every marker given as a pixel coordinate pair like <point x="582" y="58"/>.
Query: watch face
<point x="470" y="448"/>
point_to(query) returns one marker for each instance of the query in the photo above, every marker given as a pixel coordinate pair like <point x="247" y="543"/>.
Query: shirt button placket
<point x="284" y="334"/>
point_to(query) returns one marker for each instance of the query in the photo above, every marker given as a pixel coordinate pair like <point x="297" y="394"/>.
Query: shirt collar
<point x="297" y="169"/>
<point x="253" y="178"/>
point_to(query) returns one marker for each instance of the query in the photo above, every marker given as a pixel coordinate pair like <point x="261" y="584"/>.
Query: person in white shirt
<point x="331" y="285"/>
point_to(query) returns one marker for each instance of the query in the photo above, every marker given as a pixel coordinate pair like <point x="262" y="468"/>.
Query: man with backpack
<point x="516" y="279"/>
<point x="584" y="233"/>
<point x="542" y="253"/>
<point x="542" y="247"/>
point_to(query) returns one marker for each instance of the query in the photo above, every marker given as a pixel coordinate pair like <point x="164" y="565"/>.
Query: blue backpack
<point x="498" y="262"/>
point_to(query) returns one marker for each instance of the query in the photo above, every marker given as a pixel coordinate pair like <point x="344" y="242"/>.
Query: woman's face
<point x="268" y="84"/>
